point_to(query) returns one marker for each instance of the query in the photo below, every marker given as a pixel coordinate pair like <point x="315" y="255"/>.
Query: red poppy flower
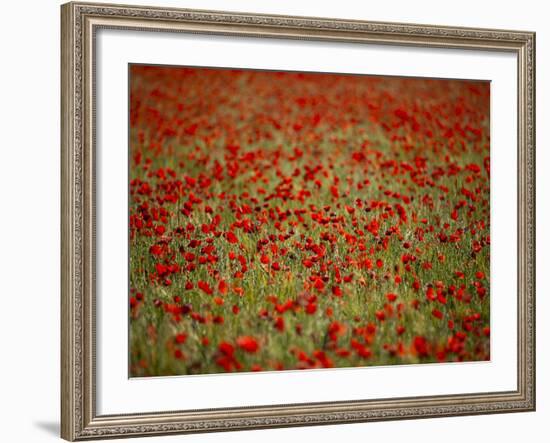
<point x="226" y="348"/>
<point x="181" y="338"/>
<point x="231" y="238"/>
<point x="248" y="343"/>
<point x="223" y="287"/>
<point x="437" y="314"/>
<point x="311" y="308"/>
<point x="280" y="324"/>
<point x="205" y="287"/>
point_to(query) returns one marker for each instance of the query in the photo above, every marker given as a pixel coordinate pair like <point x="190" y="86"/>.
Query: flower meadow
<point x="283" y="221"/>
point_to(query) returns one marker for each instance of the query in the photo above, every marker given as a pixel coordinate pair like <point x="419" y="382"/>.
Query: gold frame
<point x="79" y="22"/>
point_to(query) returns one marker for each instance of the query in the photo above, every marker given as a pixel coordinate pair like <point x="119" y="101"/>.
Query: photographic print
<point x="293" y="220"/>
<point x="320" y="219"/>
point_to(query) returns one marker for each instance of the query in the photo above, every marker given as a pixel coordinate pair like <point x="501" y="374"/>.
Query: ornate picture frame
<point x="80" y="22"/>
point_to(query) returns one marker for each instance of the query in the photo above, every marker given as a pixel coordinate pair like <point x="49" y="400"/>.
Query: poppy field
<point x="287" y="220"/>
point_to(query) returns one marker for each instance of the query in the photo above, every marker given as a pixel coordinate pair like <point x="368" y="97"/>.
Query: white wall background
<point x="29" y="219"/>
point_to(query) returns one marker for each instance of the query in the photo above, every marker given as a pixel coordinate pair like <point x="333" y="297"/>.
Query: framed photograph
<point x="282" y="221"/>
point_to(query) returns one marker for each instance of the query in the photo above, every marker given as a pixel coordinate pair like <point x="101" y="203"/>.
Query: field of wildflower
<point x="285" y="220"/>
